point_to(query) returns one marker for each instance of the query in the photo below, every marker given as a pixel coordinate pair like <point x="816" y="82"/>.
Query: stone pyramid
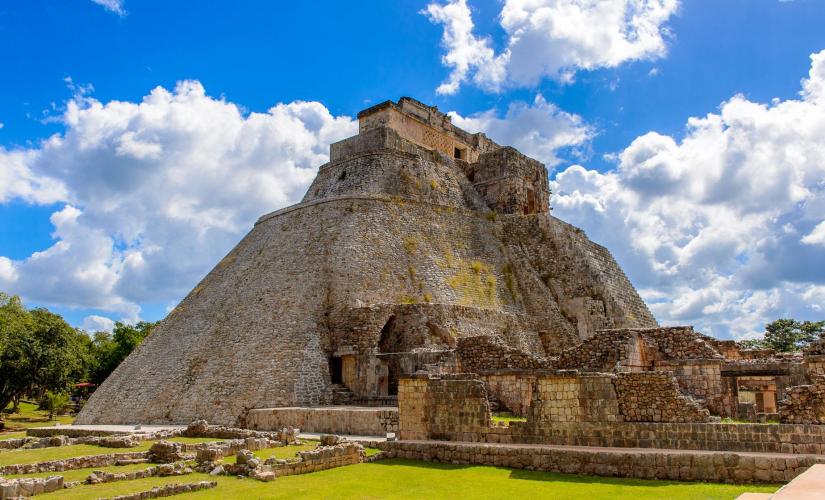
<point x="416" y="233"/>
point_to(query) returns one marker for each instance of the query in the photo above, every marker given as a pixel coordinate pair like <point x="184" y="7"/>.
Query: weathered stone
<point x="415" y="257"/>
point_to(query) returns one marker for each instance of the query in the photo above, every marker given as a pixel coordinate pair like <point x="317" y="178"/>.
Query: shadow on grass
<point x="530" y="475"/>
<point x="541" y="476"/>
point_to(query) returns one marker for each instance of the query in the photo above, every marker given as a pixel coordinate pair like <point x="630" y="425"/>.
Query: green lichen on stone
<point x="474" y="284"/>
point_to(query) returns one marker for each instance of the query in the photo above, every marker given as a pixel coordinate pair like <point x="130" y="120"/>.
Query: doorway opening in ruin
<point x="336" y="370"/>
<point x="460" y="154"/>
<point x="390" y="342"/>
<point x="387" y="342"/>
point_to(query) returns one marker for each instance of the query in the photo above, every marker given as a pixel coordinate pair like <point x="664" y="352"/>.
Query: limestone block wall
<point x="605" y="351"/>
<point x="513" y="389"/>
<point x="699" y="378"/>
<point x="348" y="420"/>
<point x="399" y="169"/>
<point x="654" y="464"/>
<point x="321" y="458"/>
<point x="655" y="397"/>
<point x="573" y="398"/>
<point x="814" y="365"/>
<point x="425" y="126"/>
<point x="467" y="419"/>
<point x="511" y="182"/>
<point x="804" y="404"/>
<point x="489" y="353"/>
<point x="448" y="407"/>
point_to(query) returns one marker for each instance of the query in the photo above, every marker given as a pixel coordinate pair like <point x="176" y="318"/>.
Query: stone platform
<point x="640" y="463"/>
<point x="810" y="485"/>
<point x="347" y="420"/>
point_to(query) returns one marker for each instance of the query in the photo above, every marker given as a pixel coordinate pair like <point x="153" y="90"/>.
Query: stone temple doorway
<point x="336" y="370"/>
<point x="389" y="343"/>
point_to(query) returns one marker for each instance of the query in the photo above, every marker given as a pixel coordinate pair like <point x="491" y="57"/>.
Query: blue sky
<point x="717" y="223"/>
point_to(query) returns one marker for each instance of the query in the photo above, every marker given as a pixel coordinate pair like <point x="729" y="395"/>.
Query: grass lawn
<point x="279" y="452"/>
<point x="506" y="417"/>
<point x="12" y="435"/>
<point x="410" y="479"/>
<point x="82" y="474"/>
<point x="79" y="450"/>
<point x="30" y="416"/>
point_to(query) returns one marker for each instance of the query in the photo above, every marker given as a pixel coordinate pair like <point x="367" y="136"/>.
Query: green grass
<point x="279" y="452"/>
<point x="12" y="435"/>
<point x="61" y="453"/>
<point x="506" y="417"/>
<point x="728" y="420"/>
<point x="82" y="474"/>
<point x="29" y="416"/>
<point x="408" y="479"/>
<point x="79" y="450"/>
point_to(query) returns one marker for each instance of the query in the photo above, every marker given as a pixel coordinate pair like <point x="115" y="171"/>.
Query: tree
<point x="54" y="403"/>
<point x="40" y="352"/>
<point x="787" y="335"/>
<point x="111" y="350"/>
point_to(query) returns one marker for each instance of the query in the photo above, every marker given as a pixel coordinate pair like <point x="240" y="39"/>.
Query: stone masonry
<point x="805" y="404"/>
<point x="411" y="212"/>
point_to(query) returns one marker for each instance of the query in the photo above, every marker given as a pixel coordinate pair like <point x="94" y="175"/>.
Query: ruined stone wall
<point x="463" y="416"/>
<point x="655" y="397"/>
<point x="321" y="458"/>
<point x="652" y="464"/>
<point x="356" y="421"/>
<point x="431" y="325"/>
<point x="573" y="398"/>
<point x="679" y="342"/>
<point x="397" y="169"/>
<point x="511" y="389"/>
<point x="605" y="351"/>
<point x="425" y="126"/>
<point x="698" y="378"/>
<point x="490" y="353"/>
<point x="448" y="407"/>
<point x="814" y="365"/>
<point x="804" y="404"/>
<point x="511" y="182"/>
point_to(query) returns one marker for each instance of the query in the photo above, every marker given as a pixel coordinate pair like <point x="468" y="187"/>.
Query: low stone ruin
<point x="805" y="404"/>
<point x="168" y="490"/>
<point x="329" y="454"/>
<point x="27" y="487"/>
<point x="484" y="352"/>
<point x="162" y="470"/>
<point x="31" y="443"/>
<point x="164" y="452"/>
<point x="201" y="428"/>
<point x="654" y="397"/>
<point x="74" y="463"/>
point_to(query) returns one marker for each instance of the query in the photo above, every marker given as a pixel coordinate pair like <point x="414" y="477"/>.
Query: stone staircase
<point x="341" y="394"/>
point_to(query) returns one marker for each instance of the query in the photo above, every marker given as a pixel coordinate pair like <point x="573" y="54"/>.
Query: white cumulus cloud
<point x="549" y="38"/>
<point x="155" y="192"/>
<point x="725" y="224"/>
<point x="95" y="323"/>
<point x="114" y="6"/>
<point x="538" y="130"/>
